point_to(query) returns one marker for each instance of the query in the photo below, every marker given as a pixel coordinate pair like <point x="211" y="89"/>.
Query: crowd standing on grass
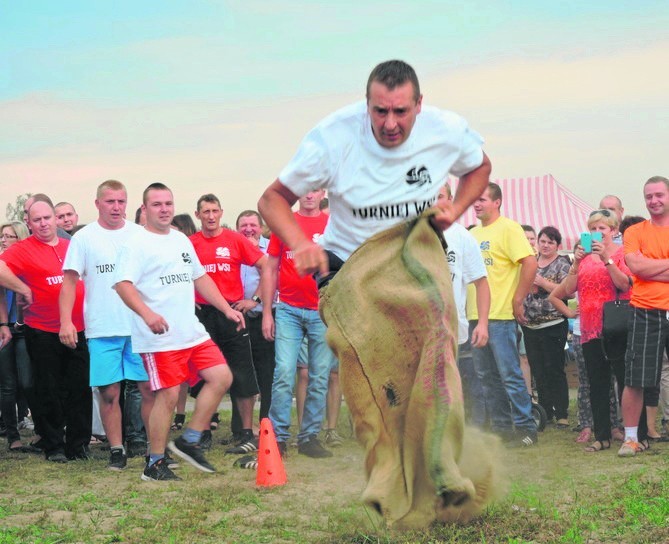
<point x="149" y="310"/>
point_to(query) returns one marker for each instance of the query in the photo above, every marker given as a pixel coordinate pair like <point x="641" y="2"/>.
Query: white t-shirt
<point x="466" y="264"/>
<point x="92" y="254"/>
<point x="162" y="268"/>
<point x="370" y="187"/>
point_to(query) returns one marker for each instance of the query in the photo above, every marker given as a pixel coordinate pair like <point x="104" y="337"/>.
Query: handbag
<point x="614" y="327"/>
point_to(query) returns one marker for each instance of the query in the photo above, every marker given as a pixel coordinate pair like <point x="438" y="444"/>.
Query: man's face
<point x="611" y="203"/>
<point x="656" y="196"/>
<point x="249" y="226"/>
<point x="444" y="195"/>
<point x="531" y="238"/>
<point x="111" y="208"/>
<point x="209" y="215"/>
<point x="42" y="221"/>
<point x="26" y="207"/>
<point x="66" y="217"/>
<point x="159" y="208"/>
<point x="485" y="207"/>
<point x="393" y="113"/>
<point x="311" y="201"/>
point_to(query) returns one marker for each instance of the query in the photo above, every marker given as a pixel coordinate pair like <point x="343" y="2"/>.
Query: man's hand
<point x="479" y="335"/>
<point x="268" y="326"/>
<point x="519" y="312"/>
<point x="5" y="336"/>
<point x="156" y="323"/>
<point x="236" y="317"/>
<point x="309" y="257"/>
<point x="445" y="215"/>
<point x="244" y="305"/>
<point x="68" y="335"/>
<point x="25" y="299"/>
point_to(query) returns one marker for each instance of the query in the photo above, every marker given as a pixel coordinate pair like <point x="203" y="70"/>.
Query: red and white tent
<point x="540" y="201"/>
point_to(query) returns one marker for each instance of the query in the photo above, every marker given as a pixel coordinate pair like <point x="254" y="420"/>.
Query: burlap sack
<point x="391" y="322"/>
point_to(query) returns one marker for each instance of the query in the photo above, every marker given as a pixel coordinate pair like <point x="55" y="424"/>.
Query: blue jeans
<point x="292" y="325"/>
<point x="471" y="387"/>
<point x="505" y="394"/>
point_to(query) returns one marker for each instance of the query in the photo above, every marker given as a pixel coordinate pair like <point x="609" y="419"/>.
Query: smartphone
<point x="586" y="242"/>
<point x="596" y="236"/>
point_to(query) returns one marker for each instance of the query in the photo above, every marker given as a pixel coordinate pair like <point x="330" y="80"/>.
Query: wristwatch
<point x="256" y="299"/>
<point x="610" y="261"/>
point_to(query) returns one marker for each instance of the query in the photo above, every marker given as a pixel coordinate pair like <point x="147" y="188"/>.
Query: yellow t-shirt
<point x="503" y="244"/>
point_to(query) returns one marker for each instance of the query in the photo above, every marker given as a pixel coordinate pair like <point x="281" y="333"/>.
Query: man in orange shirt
<point x="647" y="255"/>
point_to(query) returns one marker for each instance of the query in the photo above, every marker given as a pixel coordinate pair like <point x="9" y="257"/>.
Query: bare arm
<point x="471" y="187"/>
<point x="132" y="299"/>
<point x="246" y="304"/>
<point x="275" y="206"/>
<point x="208" y="290"/>
<point x="68" y="293"/>
<point x="561" y="292"/>
<point x="268" y="283"/>
<point x="528" y="270"/>
<point x="480" y="332"/>
<point x="10" y="281"/>
<point x="646" y="268"/>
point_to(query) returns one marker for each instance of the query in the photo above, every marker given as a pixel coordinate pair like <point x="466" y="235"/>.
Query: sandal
<point x="179" y="420"/>
<point x="584" y="436"/>
<point x="617" y="435"/>
<point x="213" y="424"/>
<point x="644" y="445"/>
<point x="598" y="445"/>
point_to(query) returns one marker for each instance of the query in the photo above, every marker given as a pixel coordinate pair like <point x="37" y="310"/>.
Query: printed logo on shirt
<point x="418" y="175"/>
<point x="54" y="280"/>
<point x="104" y="268"/>
<point x="392" y="211"/>
<point x="186" y="258"/>
<point x="222" y="253"/>
<point x="485" y="253"/>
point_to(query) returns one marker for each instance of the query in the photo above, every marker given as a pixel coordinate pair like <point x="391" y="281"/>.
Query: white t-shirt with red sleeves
<point x="372" y="188"/>
<point x="92" y="254"/>
<point x="163" y="267"/>
<point x="222" y="257"/>
<point x="40" y="267"/>
<point x="296" y="290"/>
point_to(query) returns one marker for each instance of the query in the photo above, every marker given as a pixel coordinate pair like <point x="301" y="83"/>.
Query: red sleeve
<point x="249" y="253"/>
<point x="274" y="247"/>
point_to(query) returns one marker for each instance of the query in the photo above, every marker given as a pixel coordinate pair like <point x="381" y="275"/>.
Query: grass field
<point x="557" y="493"/>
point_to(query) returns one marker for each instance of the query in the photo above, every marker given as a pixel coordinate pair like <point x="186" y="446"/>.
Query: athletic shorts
<point x="236" y="347"/>
<point x="170" y="368"/>
<point x="647" y="340"/>
<point x="112" y="361"/>
<point x="303" y="357"/>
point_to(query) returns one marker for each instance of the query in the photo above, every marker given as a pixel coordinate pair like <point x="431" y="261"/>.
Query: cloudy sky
<point x="214" y="96"/>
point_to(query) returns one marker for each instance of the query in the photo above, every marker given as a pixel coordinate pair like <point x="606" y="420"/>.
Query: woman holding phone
<point x="596" y="275"/>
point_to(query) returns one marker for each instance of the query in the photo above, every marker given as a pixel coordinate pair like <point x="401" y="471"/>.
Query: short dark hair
<point x="495" y="191"/>
<point x="209" y="197"/>
<point x="528" y="228"/>
<point x="157" y="186"/>
<point x="393" y="73"/>
<point x="184" y="223"/>
<point x="658" y="179"/>
<point x="552" y="234"/>
<point x="250" y="213"/>
<point x="628" y="221"/>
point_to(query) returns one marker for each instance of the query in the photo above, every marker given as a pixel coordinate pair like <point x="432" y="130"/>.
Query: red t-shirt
<point x="40" y="267"/>
<point x="296" y="290"/>
<point x="222" y="257"/>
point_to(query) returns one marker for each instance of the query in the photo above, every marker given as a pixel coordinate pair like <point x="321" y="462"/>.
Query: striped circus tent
<point x="540" y="201"/>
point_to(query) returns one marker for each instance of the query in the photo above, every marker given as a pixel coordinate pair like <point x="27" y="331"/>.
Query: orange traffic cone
<point x="270" y="466"/>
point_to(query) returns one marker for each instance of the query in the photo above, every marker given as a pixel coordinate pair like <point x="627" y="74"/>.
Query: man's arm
<point x="209" y="292"/>
<point x="528" y="269"/>
<point x="275" y="207"/>
<point x="647" y="268"/>
<point x="246" y="305"/>
<point x="268" y="283"/>
<point x="470" y="187"/>
<point x="132" y="299"/>
<point x="480" y="333"/>
<point x="68" y="293"/>
<point x="10" y="281"/>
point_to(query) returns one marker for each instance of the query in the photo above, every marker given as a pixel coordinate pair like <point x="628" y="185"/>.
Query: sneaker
<point x="231" y="439"/>
<point x="524" y="440"/>
<point x="206" y="440"/>
<point x="26" y="423"/>
<point x="171" y="462"/>
<point x="332" y="438"/>
<point x="247" y="461"/>
<point x="191" y="453"/>
<point x="312" y="447"/>
<point x="135" y="449"/>
<point x="117" y="459"/>
<point x="158" y="471"/>
<point x="81" y="454"/>
<point x="56" y="457"/>
<point x="630" y="448"/>
<point x="247" y="444"/>
<point x="283" y="449"/>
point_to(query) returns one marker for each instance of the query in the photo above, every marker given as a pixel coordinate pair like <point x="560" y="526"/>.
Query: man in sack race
<point x="389" y="309"/>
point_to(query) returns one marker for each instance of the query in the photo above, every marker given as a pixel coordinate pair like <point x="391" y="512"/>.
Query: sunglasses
<point x="605" y="213"/>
